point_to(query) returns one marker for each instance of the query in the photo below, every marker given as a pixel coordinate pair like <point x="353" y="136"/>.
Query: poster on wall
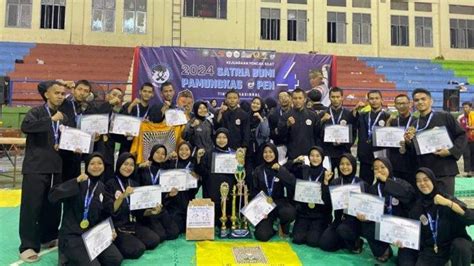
<point x="209" y="73"/>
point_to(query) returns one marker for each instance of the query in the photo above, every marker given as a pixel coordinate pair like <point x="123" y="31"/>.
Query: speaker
<point x="451" y="100"/>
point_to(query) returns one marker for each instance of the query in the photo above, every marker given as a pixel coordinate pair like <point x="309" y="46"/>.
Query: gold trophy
<point x="240" y="195"/>
<point x="224" y="192"/>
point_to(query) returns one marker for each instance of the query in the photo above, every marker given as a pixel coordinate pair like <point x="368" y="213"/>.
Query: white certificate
<point x="145" y="197"/>
<point x="392" y="229"/>
<point x="308" y="192"/>
<point x="258" y="208"/>
<point x="338" y="133"/>
<point x="431" y="140"/>
<point x="123" y="124"/>
<point x="224" y="163"/>
<point x="73" y="139"/>
<point x="175" y="178"/>
<point x="388" y="136"/>
<point x="282" y="150"/>
<point x="200" y="216"/>
<point x="175" y="117"/>
<point x="340" y="195"/>
<point x="93" y="124"/>
<point x="191" y="182"/>
<point x="369" y="205"/>
<point x="98" y="238"/>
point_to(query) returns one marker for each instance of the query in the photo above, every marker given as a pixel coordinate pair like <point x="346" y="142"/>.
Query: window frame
<point x="361" y="24"/>
<point x="270" y="25"/>
<point x="335" y="25"/>
<point x="299" y="22"/>
<point x="220" y="6"/>
<point x="19" y="14"/>
<point x="136" y="11"/>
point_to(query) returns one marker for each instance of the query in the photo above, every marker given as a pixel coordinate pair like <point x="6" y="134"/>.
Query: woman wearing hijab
<point x="85" y="205"/>
<point x="149" y="174"/>
<point x="443" y="224"/>
<point x="272" y="178"/>
<point x="345" y="230"/>
<point x="132" y="238"/>
<point x="198" y="130"/>
<point x="311" y="219"/>
<point x="259" y="132"/>
<point x="398" y="194"/>
<point x="211" y="182"/>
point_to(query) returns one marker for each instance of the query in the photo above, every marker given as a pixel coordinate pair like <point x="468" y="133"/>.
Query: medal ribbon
<point x="371" y="126"/>
<point x="154" y="179"/>
<point x="332" y="116"/>
<point x="408" y="123"/>
<point x="434" y="226"/>
<point x="427" y="123"/>
<point x="54" y="126"/>
<point x="88" y="199"/>
<point x="269" y="188"/>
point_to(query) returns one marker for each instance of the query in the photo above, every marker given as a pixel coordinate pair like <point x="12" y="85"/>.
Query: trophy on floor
<point x="240" y="198"/>
<point x="224" y="192"/>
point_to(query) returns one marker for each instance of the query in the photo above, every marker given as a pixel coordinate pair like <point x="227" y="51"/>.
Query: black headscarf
<point x="182" y="163"/>
<point x="353" y="161"/>
<point x="275" y="151"/>
<point x="316" y="170"/>
<point x="120" y="160"/>
<point x="155" y="166"/>
<point x="428" y="200"/>
<point x="254" y="121"/>
<point x="87" y="162"/>
<point x="196" y="108"/>
<point x="388" y="165"/>
<point x="226" y="132"/>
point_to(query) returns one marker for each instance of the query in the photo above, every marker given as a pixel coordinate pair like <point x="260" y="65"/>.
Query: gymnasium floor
<point x="180" y="251"/>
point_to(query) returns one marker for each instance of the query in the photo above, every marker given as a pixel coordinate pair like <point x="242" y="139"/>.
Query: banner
<point x="209" y="73"/>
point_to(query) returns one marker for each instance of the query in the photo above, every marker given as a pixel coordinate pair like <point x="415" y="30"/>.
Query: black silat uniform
<point x="238" y="124"/>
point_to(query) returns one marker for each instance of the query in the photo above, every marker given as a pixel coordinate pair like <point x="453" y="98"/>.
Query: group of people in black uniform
<point x="419" y="187"/>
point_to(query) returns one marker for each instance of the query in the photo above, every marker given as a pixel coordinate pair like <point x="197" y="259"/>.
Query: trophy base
<point x="224" y="233"/>
<point x="240" y="233"/>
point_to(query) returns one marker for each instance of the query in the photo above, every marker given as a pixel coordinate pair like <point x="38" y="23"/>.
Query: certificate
<point x="200" y="216"/>
<point x="338" y="133"/>
<point x="340" y="195"/>
<point x="308" y="192"/>
<point x="258" y="208"/>
<point x="224" y="163"/>
<point x="369" y="205"/>
<point x="175" y="117"/>
<point x="98" y="238"/>
<point x="388" y="136"/>
<point x="392" y="229"/>
<point x="175" y="178"/>
<point x="282" y="150"/>
<point x="123" y="124"/>
<point x="145" y="197"/>
<point x="191" y="181"/>
<point x="429" y="141"/>
<point x="93" y="124"/>
<point x="73" y="139"/>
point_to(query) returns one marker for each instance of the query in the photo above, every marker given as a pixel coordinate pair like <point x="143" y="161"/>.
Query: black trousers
<point x="460" y="254"/>
<point x="468" y="157"/>
<point x="308" y="231"/>
<point x="39" y="218"/>
<point x="164" y="226"/>
<point x="378" y="248"/>
<point x="75" y="253"/>
<point x="132" y="246"/>
<point x="366" y="173"/>
<point x="342" y="235"/>
<point x="283" y="211"/>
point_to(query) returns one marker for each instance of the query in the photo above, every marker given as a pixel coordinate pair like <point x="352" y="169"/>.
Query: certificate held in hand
<point x="389" y="137"/>
<point x="372" y="207"/>
<point x="73" y="139"/>
<point x="125" y="124"/>
<point x="429" y="141"/>
<point x="340" y="195"/>
<point x="95" y="124"/>
<point x="338" y="133"/>
<point x="98" y="238"/>
<point x="258" y="208"/>
<point x="308" y="192"/>
<point x="393" y="229"/>
<point x="175" y="178"/>
<point x="224" y="163"/>
<point x="145" y="197"/>
<point x="175" y="117"/>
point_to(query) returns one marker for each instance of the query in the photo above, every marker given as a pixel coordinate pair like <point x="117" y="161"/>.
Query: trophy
<point x="224" y="192"/>
<point x="240" y="196"/>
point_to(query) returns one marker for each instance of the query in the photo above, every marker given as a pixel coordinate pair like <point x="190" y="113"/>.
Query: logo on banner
<point x="250" y="84"/>
<point x="160" y="74"/>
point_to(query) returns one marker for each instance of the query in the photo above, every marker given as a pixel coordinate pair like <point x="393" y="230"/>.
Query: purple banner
<point x="209" y="73"/>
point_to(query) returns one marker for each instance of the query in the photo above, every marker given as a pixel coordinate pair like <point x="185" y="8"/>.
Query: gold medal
<point x="435" y="249"/>
<point x="56" y="147"/>
<point x="269" y="200"/>
<point x="311" y="205"/>
<point x="105" y="138"/>
<point x="84" y="224"/>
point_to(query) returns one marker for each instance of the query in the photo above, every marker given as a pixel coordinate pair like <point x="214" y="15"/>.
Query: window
<point x="18" y="13"/>
<point x="297" y="25"/>
<point x="361" y="28"/>
<point x="424" y="7"/>
<point x="336" y="27"/>
<point x="399" y="4"/>
<point x="399" y="30"/>
<point x="269" y="24"/>
<point x="462" y="10"/>
<point x="53" y="13"/>
<point x="361" y="3"/>
<point x="297" y="2"/>
<point x="205" y="8"/>
<point x="103" y="15"/>
<point x="336" y="2"/>
<point x="134" y="16"/>
<point x="462" y="33"/>
<point x="423" y="32"/>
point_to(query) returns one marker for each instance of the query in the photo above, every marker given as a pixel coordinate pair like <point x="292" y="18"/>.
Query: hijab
<point x="223" y="131"/>
<point x="348" y="178"/>
<point x="316" y="170"/>
<point x="428" y="200"/>
<point x="196" y="108"/>
<point x="88" y="161"/>
<point x="121" y="160"/>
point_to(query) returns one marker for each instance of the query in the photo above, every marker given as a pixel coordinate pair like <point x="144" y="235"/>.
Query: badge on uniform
<point x="237" y="122"/>
<point x="423" y="219"/>
<point x="117" y="194"/>
<point x="395" y="202"/>
<point x="277" y="179"/>
<point x="309" y="122"/>
<point x="381" y="123"/>
<point x="101" y="197"/>
<point x="343" y="122"/>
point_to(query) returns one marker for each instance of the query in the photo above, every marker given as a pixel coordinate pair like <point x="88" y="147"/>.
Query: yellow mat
<point x="245" y="253"/>
<point x="10" y="198"/>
